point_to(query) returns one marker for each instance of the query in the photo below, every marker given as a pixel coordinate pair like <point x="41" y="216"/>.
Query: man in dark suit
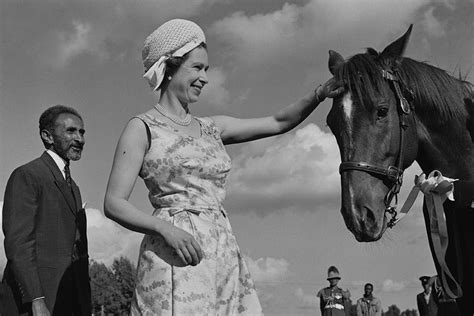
<point x="427" y="305"/>
<point x="45" y="227"/>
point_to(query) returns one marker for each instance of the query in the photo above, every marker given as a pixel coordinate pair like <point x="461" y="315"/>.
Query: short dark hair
<point x="47" y="120"/>
<point x="371" y="285"/>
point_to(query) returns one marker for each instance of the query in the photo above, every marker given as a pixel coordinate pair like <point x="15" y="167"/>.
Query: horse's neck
<point x="449" y="150"/>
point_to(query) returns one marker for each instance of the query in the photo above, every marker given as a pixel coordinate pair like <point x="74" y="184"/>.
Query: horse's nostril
<point x="368" y="215"/>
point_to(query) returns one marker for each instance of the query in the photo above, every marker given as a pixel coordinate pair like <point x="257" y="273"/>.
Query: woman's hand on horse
<point x="330" y="89"/>
<point x="183" y="243"/>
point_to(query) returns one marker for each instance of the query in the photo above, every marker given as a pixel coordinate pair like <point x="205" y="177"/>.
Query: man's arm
<point x="321" y="300"/>
<point x="19" y="215"/>
<point x="418" y="304"/>
<point x="359" y="308"/>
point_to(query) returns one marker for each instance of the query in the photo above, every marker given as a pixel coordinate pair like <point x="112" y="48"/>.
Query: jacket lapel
<point x="60" y="182"/>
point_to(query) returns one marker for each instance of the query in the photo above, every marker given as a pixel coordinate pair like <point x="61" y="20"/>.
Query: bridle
<point x="394" y="174"/>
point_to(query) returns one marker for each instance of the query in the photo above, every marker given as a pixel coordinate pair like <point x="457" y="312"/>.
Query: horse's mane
<point x="435" y="93"/>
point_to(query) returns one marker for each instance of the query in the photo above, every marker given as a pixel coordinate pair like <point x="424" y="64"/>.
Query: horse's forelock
<point x="363" y="79"/>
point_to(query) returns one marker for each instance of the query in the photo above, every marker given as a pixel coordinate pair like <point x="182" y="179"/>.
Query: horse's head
<point x="376" y="135"/>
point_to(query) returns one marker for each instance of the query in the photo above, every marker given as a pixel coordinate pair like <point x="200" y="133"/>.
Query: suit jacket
<point x="430" y="309"/>
<point x="44" y="229"/>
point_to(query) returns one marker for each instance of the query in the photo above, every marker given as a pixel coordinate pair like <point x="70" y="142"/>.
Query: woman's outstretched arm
<point x="234" y="130"/>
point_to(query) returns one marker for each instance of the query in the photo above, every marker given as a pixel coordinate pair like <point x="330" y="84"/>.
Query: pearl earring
<point x="169" y="78"/>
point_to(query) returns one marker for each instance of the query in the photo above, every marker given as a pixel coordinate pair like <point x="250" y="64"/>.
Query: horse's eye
<point x="382" y="112"/>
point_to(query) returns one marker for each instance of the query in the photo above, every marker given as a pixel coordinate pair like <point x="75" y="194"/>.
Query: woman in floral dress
<point x="189" y="262"/>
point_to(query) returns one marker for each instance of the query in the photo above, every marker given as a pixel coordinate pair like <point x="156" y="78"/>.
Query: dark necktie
<point x="67" y="173"/>
<point x="80" y="245"/>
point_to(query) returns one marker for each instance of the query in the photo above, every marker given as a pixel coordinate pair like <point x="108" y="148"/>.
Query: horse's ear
<point x="335" y="61"/>
<point x="396" y="49"/>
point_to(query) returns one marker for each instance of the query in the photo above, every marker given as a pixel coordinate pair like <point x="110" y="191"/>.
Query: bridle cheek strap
<point x="394" y="174"/>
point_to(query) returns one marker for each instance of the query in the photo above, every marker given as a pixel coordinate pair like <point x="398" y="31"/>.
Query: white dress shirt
<point x="60" y="162"/>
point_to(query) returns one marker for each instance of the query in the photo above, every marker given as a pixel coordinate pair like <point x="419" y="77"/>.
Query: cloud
<point x="257" y="37"/>
<point x="305" y="300"/>
<point x="265" y="271"/>
<point x="215" y="94"/>
<point x="298" y="168"/>
<point x="450" y="4"/>
<point x="108" y="240"/>
<point x="81" y="39"/>
<point x="296" y="33"/>
<point x="432" y="25"/>
<point x="156" y="10"/>
<point x="99" y="29"/>
<point x="389" y="285"/>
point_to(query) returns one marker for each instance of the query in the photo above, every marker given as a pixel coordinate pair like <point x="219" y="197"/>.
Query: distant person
<point x="334" y="301"/>
<point x="426" y="302"/>
<point x="47" y="271"/>
<point x="369" y="305"/>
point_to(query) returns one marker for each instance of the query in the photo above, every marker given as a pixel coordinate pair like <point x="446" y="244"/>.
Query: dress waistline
<point x="195" y="209"/>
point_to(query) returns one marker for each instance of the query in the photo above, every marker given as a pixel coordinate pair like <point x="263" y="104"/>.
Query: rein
<point x="394" y="174"/>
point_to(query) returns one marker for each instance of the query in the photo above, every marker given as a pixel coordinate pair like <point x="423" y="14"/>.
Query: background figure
<point x="369" y="305"/>
<point x="189" y="262"/>
<point x="45" y="226"/>
<point x="427" y="305"/>
<point x="334" y="301"/>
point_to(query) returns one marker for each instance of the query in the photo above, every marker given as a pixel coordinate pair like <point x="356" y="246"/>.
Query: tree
<point x="112" y="288"/>
<point x="409" y="312"/>
<point x="392" y="310"/>
<point x="124" y="273"/>
<point x="105" y="293"/>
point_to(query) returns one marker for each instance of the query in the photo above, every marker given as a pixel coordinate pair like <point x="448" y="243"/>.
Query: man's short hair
<point x="371" y="285"/>
<point x="48" y="118"/>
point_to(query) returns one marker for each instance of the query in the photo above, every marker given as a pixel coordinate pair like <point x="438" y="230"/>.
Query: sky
<point x="283" y="193"/>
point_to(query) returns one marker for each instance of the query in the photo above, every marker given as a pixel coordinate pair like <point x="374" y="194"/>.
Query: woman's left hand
<point x="330" y="89"/>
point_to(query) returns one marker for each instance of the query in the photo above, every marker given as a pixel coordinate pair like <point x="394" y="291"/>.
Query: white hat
<point x="174" y="38"/>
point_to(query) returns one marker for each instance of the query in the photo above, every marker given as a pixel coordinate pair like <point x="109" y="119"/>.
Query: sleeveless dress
<point x="185" y="177"/>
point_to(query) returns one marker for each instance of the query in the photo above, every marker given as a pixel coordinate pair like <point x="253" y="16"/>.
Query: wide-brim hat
<point x="333" y="275"/>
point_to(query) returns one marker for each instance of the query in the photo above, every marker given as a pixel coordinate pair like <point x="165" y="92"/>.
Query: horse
<point x="395" y="110"/>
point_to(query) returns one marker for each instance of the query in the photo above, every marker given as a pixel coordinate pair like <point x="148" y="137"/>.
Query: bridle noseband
<point x="394" y="174"/>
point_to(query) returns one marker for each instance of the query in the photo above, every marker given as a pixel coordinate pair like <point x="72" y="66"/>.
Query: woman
<point x="189" y="260"/>
<point x="334" y="301"/>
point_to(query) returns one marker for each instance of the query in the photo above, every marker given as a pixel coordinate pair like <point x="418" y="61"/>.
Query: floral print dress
<point x="185" y="177"/>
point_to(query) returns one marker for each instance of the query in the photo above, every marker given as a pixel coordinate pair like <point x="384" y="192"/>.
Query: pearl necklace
<point x="183" y="122"/>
